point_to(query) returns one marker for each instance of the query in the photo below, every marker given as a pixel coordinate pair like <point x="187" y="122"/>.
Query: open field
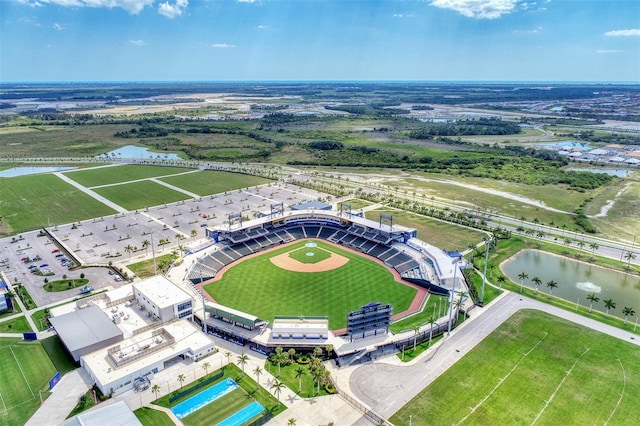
<point x="213" y="182"/>
<point x="623" y="219"/>
<point x="30" y="202"/>
<point x="542" y="370"/>
<point x="26" y="369"/>
<point x="138" y="195"/>
<point x="16" y="325"/>
<point x="118" y="174"/>
<point x="437" y="233"/>
<point x="151" y="417"/>
<point x="256" y="286"/>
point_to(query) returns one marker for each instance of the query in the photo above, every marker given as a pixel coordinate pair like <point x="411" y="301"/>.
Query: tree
<point x="129" y="248"/>
<point x="242" y="360"/>
<point x="580" y="244"/>
<point x="501" y="280"/>
<point x="594" y="246"/>
<point x="292" y="353"/>
<point x="291" y="422"/>
<point x="181" y="379"/>
<point x="416" y="330"/>
<point x="257" y="371"/>
<point x="629" y="256"/>
<point x="228" y="355"/>
<point x="299" y="375"/>
<point x="627" y="312"/>
<point x="317" y="374"/>
<point x="279" y="358"/>
<point x="155" y="389"/>
<point x="551" y="284"/>
<point x="277" y="387"/>
<point x="523" y="276"/>
<point x="194" y="232"/>
<point x="592" y="298"/>
<point x="609" y="304"/>
<point x="537" y="281"/>
<point x="145" y="246"/>
<point x="206" y="366"/>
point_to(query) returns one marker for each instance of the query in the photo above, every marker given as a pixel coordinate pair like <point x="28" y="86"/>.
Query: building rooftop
<point x="84" y="327"/>
<point x="116" y="414"/>
<point x="162" y="292"/>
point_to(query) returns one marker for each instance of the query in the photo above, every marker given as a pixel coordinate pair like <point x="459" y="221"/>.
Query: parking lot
<point x="129" y="237"/>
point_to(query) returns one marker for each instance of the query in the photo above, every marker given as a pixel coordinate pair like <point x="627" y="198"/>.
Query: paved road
<point x="387" y="386"/>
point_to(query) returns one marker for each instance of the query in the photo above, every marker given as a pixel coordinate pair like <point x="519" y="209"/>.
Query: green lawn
<point x="151" y="417"/>
<point x="145" y="268"/>
<point x="138" y="195"/>
<point x="535" y="368"/>
<point x="118" y="174"/>
<point x="30" y="202"/>
<point x="16" y="325"/>
<point x="439" y="234"/>
<point x="64" y="285"/>
<point x="310" y="255"/>
<point x="258" y="287"/>
<point x="288" y="377"/>
<point x="209" y="182"/>
<point x="26" y="369"/>
<point x="436" y="307"/>
<point x="58" y="354"/>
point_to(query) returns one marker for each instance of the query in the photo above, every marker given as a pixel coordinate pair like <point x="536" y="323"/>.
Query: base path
<point x="386" y="386"/>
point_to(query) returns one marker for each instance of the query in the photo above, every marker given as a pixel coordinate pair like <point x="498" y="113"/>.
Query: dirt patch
<point x="285" y="262"/>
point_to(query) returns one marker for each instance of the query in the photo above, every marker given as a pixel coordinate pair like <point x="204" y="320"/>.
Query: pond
<point x="138" y="152"/>
<point x="612" y="172"/>
<point x="575" y="279"/>
<point x="23" y="171"/>
<point x="566" y="145"/>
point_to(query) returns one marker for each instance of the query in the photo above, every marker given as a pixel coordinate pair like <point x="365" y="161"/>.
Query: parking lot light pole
<point x="153" y="253"/>
<point x="453" y="293"/>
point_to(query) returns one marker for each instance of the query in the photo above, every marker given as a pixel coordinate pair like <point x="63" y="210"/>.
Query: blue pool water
<point x="243" y="415"/>
<point x="23" y="171"/>
<point x="138" y="152"/>
<point x="203" y="398"/>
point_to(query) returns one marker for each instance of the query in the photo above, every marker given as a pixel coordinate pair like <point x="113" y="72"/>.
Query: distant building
<point x="311" y="205"/>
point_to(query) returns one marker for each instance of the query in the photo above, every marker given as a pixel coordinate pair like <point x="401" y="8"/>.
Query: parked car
<point x="55" y="250"/>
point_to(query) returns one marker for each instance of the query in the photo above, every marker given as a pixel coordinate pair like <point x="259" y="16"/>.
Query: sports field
<point x="255" y="285"/>
<point x="26" y="369"/>
<point x="118" y="174"/>
<point x="213" y="182"/>
<point x="138" y="195"/>
<point x="30" y="202"/>
<point x="535" y="369"/>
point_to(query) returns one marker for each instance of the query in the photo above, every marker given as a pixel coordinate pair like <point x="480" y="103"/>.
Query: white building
<point x="162" y="299"/>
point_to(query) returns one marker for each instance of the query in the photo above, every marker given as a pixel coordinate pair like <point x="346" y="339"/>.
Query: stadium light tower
<point x="453" y="293"/>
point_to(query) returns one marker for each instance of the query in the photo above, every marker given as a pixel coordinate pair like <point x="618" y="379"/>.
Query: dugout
<point x="234" y="316"/>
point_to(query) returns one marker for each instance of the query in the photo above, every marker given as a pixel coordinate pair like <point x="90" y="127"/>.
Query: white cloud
<point x="533" y="31"/>
<point x="131" y="6"/>
<point x="57" y="27"/>
<point x="262" y="27"/>
<point x="223" y="46"/>
<point x="137" y="42"/>
<point x="479" y="9"/>
<point x="605" y="51"/>
<point x="402" y="15"/>
<point x="172" y="10"/>
<point x="246" y="1"/>
<point x="623" y="33"/>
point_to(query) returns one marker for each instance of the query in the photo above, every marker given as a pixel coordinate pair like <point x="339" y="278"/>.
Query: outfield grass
<point x="30" y="202"/>
<point x="26" y="369"/>
<point x="437" y="233"/>
<point x="150" y="417"/>
<point x="535" y="368"/>
<point x="138" y="195"/>
<point x="257" y="286"/>
<point x="118" y="174"/>
<point x="209" y="182"/>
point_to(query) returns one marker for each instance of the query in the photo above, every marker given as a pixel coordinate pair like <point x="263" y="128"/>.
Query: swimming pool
<point x="203" y="398"/>
<point x="243" y="415"/>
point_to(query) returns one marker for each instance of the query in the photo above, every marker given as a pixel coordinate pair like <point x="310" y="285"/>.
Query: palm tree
<point x="416" y="329"/>
<point x="291" y="422"/>
<point x="629" y="256"/>
<point x="580" y="244"/>
<point x="258" y="371"/>
<point x="501" y="280"/>
<point x="627" y="312"/>
<point x="228" y="355"/>
<point x="537" y="281"/>
<point x="551" y="284"/>
<point x="523" y="276"/>
<point x="317" y="374"/>
<point x="181" y="379"/>
<point x="279" y="358"/>
<point x="299" y="375"/>
<point x="568" y="241"/>
<point x="592" y="298"/>
<point x="242" y="360"/>
<point x="155" y="389"/>
<point x="205" y="367"/>
<point x="194" y="232"/>
<point x="594" y="246"/>
<point x="145" y="246"/>
<point x="277" y="387"/>
<point x="129" y="249"/>
<point x="609" y="304"/>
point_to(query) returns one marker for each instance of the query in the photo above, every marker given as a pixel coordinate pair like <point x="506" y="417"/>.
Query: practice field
<point x="138" y="195"/>
<point x="118" y="174"/>
<point x="213" y="182"/>
<point x="26" y="369"/>
<point x="30" y="202"/>
<point x="535" y="369"/>
<point x="255" y="285"/>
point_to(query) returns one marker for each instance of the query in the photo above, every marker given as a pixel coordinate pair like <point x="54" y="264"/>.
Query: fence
<point x="368" y="413"/>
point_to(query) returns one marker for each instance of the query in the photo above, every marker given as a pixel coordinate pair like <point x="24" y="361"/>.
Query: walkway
<point x="91" y="193"/>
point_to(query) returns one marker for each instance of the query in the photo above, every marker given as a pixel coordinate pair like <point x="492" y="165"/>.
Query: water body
<point x="139" y="153"/>
<point x="611" y="172"/>
<point x="566" y="145"/>
<point x="575" y="279"/>
<point x="23" y="171"/>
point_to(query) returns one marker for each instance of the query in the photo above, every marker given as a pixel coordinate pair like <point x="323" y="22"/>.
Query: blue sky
<point x="212" y="40"/>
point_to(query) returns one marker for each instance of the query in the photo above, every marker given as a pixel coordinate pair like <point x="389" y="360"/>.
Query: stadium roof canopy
<point x="84" y="327"/>
<point x="317" y="205"/>
<point x="234" y="315"/>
